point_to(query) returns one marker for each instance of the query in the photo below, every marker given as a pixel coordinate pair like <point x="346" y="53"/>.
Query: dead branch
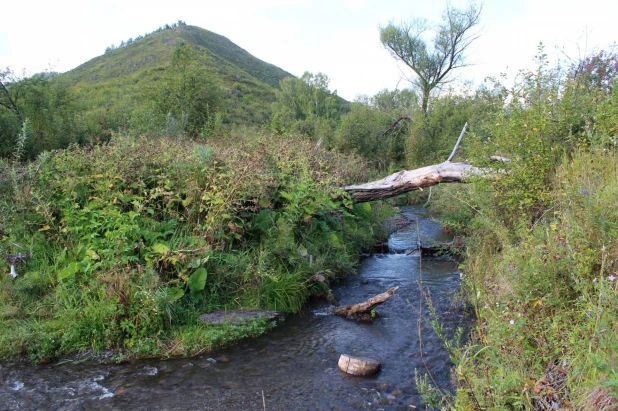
<point x="362" y="311"/>
<point x="395" y="124"/>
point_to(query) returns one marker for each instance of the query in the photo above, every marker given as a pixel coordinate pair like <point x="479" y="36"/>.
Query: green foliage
<point x="129" y="240"/>
<point x="306" y="106"/>
<point x="186" y="101"/>
<point x="377" y="128"/>
<point x="36" y="114"/>
<point x="549" y="297"/>
<point x="432" y="135"/>
<point x="540" y="268"/>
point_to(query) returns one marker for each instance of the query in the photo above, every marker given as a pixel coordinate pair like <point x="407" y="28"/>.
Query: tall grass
<point x="546" y="298"/>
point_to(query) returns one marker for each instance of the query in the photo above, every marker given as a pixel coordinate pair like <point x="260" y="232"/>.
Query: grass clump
<point x="128" y="241"/>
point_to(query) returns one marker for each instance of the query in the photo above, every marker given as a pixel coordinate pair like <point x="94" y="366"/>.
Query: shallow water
<point x="293" y="367"/>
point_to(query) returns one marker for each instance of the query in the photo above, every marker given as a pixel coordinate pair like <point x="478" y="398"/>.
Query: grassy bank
<point x="125" y="243"/>
<point x="544" y="293"/>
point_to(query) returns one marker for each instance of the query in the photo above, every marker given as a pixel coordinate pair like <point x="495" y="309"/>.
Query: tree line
<point x="131" y="40"/>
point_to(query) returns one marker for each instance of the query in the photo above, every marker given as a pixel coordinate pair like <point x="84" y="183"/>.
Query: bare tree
<point x="432" y="63"/>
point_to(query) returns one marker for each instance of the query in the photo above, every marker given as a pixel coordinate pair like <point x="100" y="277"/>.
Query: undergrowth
<point x="126" y="242"/>
<point x="545" y="294"/>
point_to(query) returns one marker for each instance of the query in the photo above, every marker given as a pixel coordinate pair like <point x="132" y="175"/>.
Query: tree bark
<point x="410" y="180"/>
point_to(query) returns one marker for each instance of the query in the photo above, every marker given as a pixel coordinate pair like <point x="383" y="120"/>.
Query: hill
<point x="122" y="77"/>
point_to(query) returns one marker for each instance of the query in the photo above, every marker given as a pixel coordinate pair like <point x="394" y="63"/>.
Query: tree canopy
<point x="432" y="62"/>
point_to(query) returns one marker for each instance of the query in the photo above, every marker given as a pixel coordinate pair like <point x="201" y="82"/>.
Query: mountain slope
<point x="122" y="78"/>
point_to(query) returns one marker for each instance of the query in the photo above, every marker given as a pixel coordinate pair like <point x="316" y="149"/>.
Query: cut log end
<point x="358" y="366"/>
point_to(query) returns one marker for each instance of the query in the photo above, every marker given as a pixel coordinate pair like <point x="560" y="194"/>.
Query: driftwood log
<point x="410" y="180"/>
<point x="362" y="311"/>
<point x="358" y="366"/>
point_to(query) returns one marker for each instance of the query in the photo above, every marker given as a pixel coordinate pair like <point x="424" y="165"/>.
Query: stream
<point x="294" y="366"/>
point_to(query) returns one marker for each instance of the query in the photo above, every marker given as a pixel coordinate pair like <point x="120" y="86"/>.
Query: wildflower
<point x="611" y="278"/>
<point x="584" y="191"/>
<point x="14" y="260"/>
<point x="512" y="322"/>
<point x="595" y="280"/>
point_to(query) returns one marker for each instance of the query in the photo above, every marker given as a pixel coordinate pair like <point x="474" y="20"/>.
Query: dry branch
<point x="362" y="311"/>
<point x="395" y="124"/>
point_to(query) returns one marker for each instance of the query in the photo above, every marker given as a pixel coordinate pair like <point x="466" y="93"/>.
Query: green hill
<point x="123" y="78"/>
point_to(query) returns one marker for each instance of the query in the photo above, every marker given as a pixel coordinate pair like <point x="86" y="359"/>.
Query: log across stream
<point x="294" y="367"/>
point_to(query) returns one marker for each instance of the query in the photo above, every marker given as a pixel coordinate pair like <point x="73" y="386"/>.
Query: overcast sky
<point x="337" y="37"/>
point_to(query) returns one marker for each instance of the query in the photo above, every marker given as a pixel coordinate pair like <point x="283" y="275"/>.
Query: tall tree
<point x="9" y="99"/>
<point x="306" y="106"/>
<point x="433" y="62"/>
<point x="187" y="92"/>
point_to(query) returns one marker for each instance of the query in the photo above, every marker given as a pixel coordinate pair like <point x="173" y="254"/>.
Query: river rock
<point x="357" y="365"/>
<point x="395" y="223"/>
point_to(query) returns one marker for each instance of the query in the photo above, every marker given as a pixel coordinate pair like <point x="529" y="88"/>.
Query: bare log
<point x="358" y="366"/>
<point x="362" y="311"/>
<point x="410" y="180"/>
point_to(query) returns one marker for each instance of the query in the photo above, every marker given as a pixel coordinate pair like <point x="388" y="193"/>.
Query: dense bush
<point x="128" y="241"/>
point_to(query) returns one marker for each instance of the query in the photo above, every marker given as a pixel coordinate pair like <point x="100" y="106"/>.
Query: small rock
<point x="364" y="281"/>
<point x="224" y="360"/>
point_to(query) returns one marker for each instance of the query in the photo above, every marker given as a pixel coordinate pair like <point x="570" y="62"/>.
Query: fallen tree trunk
<point x="410" y="180"/>
<point x="362" y="311"/>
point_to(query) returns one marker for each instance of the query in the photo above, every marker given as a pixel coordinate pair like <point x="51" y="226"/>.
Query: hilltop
<point x="121" y="77"/>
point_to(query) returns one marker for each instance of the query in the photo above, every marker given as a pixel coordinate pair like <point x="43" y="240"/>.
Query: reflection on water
<point x="294" y="367"/>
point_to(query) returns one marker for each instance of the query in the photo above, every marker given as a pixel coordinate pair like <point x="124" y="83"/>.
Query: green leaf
<point x="160" y="248"/>
<point x="174" y="294"/>
<point x="334" y="239"/>
<point x="197" y="281"/>
<point x="68" y="271"/>
<point x="302" y="251"/>
<point x="93" y="255"/>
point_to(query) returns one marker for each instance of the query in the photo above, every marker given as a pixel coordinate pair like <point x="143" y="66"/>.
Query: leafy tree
<point x="9" y="99"/>
<point x="306" y="106"/>
<point x="45" y="103"/>
<point x="186" y="94"/>
<point x="432" y="63"/>
<point x="395" y="102"/>
<point x="599" y="70"/>
<point x="377" y="127"/>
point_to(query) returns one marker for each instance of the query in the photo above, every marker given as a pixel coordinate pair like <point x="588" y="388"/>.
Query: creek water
<point x="294" y="366"/>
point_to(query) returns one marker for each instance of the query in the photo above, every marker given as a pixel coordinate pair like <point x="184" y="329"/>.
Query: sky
<point x="339" y="38"/>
